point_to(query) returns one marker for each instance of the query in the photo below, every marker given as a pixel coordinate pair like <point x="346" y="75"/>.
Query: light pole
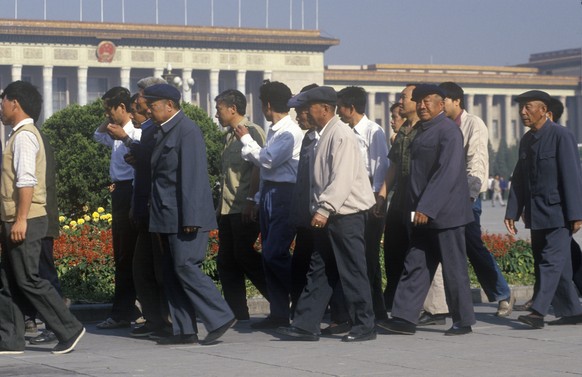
<point x="175" y="80"/>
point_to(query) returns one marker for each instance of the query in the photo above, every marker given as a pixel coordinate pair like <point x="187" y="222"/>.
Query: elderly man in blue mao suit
<point x="546" y="191"/>
<point x="182" y="213"/>
<point x="440" y="207"/>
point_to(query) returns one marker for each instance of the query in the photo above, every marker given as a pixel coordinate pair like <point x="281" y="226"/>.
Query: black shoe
<point x="159" y="334"/>
<point x="359" y="338"/>
<point x="297" y="333"/>
<point x="427" y="319"/>
<point x="535" y="321"/>
<point x="178" y="339"/>
<point x="337" y="328"/>
<point x="398" y="326"/>
<point x="68" y="345"/>
<point x="570" y="320"/>
<point x="270" y="323"/>
<point x="45" y="337"/>
<point x="458" y="330"/>
<point x="525" y="307"/>
<point x="217" y="333"/>
<point x="141" y="332"/>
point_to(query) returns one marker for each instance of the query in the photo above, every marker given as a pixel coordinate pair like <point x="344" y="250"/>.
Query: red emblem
<point x="105" y="51"/>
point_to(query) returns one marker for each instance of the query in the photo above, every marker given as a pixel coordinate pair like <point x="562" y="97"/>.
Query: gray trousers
<point x="22" y="285"/>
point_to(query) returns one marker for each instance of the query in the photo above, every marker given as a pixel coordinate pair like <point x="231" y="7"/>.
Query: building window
<point x="60" y="93"/>
<point x="96" y="87"/>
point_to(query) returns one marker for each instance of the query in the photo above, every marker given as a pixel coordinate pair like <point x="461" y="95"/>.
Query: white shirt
<point x="119" y="170"/>
<point x="279" y="158"/>
<point x="372" y="141"/>
<point x="24" y="150"/>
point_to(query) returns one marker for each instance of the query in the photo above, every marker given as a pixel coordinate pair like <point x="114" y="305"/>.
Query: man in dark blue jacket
<point x="439" y="205"/>
<point x="545" y="191"/>
<point x="182" y="214"/>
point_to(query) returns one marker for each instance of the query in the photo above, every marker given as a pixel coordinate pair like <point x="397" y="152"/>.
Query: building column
<point x="241" y="81"/>
<point x="488" y="118"/>
<point x="158" y="72"/>
<point x="267" y="75"/>
<point x="16" y="72"/>
<point x="564" y="119"/>
<point x="510" y="135"/>
<point x="124" y="76"/>
<point x="372" y="106"/>
<point x="469" y="100"/>
<point x="82" y="85"/>
<point x="47" y="90"/>
<point x="213" y="91"/>
<point x="186" y="89"/>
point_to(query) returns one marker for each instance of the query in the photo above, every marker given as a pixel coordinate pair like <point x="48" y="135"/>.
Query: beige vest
<point x="8" y="190"/>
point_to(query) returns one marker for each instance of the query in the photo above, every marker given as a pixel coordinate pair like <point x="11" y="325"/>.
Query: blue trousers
<point x="276" y="236"/>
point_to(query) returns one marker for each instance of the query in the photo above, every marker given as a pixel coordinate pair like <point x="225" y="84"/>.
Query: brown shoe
<point x="505" y="307"/>
<point x="525" y="307"/>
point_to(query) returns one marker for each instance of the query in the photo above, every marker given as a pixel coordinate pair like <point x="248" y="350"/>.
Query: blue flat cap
<point x="320" y="94"/>
<point x="423" y="90"/>
<point x="534" y="95"/>
<point x="162" y="91"/>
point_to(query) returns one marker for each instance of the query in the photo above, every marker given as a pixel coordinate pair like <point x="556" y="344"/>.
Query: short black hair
<point x="277" y="94"/>
<point x="353" y="96"/>
<point x="233" y="97"/>
<point x="308" y="87"/>
<point x="557" y="108"/>
<point x="134" y="98"/>
<point x="454" y="92"/>
<point x="394" y="106"/>
<point x="116" y="96"/>
<point x="27" y="95"/>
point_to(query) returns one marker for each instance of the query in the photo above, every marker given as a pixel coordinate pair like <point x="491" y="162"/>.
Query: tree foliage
<point x="502" y="162"/>
<point x="83" y="164"/>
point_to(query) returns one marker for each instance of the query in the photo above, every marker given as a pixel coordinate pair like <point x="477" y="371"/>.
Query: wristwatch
<point x="127" y="141"/>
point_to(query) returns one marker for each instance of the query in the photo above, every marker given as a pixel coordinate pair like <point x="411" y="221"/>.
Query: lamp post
<point x="185" y="85"/>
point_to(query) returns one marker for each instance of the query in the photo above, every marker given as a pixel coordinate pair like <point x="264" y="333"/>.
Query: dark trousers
<point x="338" y="255"/>
<point x="552" y="255"/>
<point x="238" y="258"/>
<point x="191" y="293"/>
<point x="373" y="235"/>
<point x="276" y="236"/>
<point x="300" y="263"/>
<point x="396" y="243"/>
<point x="148" y="279"/>
<point x="428" y="248"/>
<point x="21" y="283"/>
<point x="488" y="273"/>
<point x="124" y="237"/>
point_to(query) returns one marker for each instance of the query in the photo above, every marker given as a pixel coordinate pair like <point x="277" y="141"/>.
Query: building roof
<point x="71" y="32"/>
<point x="462" y="74"/>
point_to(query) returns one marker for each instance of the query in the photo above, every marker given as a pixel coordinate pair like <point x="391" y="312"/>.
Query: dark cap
<point x="534" y="95"/>
<point x="423" y="90"/>
<point x="162" y="91"/>
<point x="320" y="94"/>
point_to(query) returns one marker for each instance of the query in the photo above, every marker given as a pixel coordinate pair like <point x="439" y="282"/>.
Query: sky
<point x="464" y="32"/>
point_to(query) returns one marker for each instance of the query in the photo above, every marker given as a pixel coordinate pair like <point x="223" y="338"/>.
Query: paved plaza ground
<point x="497" y="347"/>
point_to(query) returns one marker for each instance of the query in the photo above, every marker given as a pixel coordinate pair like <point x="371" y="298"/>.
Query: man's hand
<point x="249" y="212"/>
<point x="379" y="209"/>
<point x="510" y="225"/>
<point x="420" y="219"/>
<point x="18" y="231"/>
<point x="240" y="131"/>
<point x="130" y="159"/>
<point x="576" y="225"/>
<point x="318" y="221"/>
<point x="116" y="131"/>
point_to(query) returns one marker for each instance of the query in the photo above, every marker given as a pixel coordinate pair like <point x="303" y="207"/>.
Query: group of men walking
<point x="322" y="182"/>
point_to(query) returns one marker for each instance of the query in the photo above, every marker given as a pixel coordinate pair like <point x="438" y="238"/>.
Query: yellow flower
<point x="62" y="218"/>
<point x="95" y="214"/>
<point x="108" y="216"/>
<point x="109" y="220"/>
<point x="96" y="219"/>
<point x="100" y="209"/>
<point x="65" y="227"/>
<point x="103" y="217"/>
<point x="87" y="218"/>
<point x="73" y="223"/>
<point x="80" y="221"/>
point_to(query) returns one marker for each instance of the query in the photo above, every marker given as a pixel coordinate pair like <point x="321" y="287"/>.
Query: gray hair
<point x="146" y="82"/>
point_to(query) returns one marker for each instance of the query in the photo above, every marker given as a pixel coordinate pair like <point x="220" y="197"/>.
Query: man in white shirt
<point x="278" y="161"/>
<point x="374" y="149"/>
<point x="116" y="103"/>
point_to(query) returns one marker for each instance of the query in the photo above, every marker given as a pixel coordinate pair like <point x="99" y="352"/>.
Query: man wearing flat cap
<point x="340" y="196"/>
<point x="439" y="205"/>
<point x="545" y="192"/>
<point x="182" y="214"/>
